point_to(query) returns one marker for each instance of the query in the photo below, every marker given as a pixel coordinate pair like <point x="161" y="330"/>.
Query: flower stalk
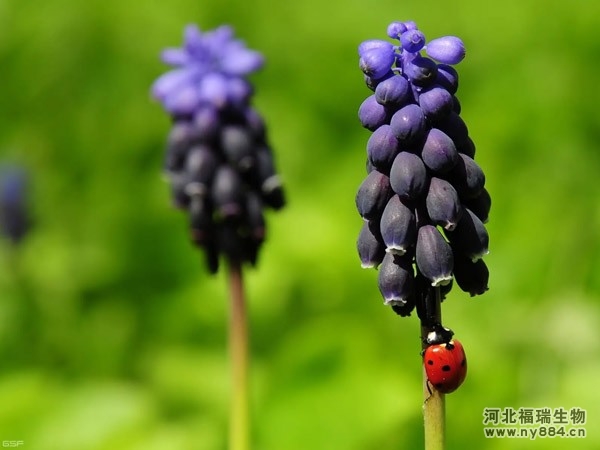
<point x="434" y="403"/>
<point x="239" y="436"/>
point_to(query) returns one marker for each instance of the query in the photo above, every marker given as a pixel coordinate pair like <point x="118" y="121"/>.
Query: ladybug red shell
<point x="445" y="366"/>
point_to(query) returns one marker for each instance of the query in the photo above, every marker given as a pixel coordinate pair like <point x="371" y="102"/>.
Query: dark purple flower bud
<point x="267" y="180"/>
<point x="201" y="221"/>
<point x="180" y="138"/>
<point x="467" y="177"/>
<point x="470" y="237"/>
<point x="443" y="206"/>
<point x="439" y="153"/>
<point x="376" y="62"/>
<point x="395" y="29"/>
<point x="447" y="49"/>
<point x="421" y="71"/>
<point x="434" y="256"/>
<point x="471" y="277"/>
<point x="372" y="83"/>
<point x="255" y="124"/>
<point x="408" y="124"/>
<point x="239" y="91"/>
<point x="454" y="127"/>
<point x="382" y="148"/>
<point x="466" y="147"/>
<point x="447" y="76"/>
<point x="227" y="192"/>
<point x="396" y="279"/>
<point x="255" y="220"/>
<point x="408" y="176"/>
<point x="456" y="106"/>
<point x="398" y="226"/>
<point x="238" y="147"/>
<point x="369" y="166"/>
<point x="206" y="123"/>
<point x="370" y="246"/>
<point x="201" y="165"/>
<point x="412" y="40"/>
<point x="436" y="102"/>
<point x="480" y="205"/>
<point x="372" y="114"/>
<point x="393" y="91"/>
<point x="373" y="194"/>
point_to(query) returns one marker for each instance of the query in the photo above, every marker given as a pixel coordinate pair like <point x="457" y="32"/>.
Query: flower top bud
<point x="447" y="49"/>
<point x="210" y="67"/>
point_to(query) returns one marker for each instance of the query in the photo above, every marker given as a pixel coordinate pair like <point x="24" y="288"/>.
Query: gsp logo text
<point x="12" y="444"/>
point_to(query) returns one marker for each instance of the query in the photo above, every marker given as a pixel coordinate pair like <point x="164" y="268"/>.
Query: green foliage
<point x="111" y="335"/>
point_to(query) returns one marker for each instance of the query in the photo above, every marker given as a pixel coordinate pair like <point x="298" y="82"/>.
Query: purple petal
<point x="174" y="57"/>
<point x="213" y="89"/>
<point x="241" y="61"/>
<point x="192" y="38"/>
<point x="183" y="101"/>
<point x="169" y="82"/>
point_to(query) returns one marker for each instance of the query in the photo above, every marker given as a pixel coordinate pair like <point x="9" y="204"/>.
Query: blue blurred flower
<point x="209" y="67"/>
<point x="14" y="217"/>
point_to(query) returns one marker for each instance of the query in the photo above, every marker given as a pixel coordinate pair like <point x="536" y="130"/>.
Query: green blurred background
<point x="113" y="337"/>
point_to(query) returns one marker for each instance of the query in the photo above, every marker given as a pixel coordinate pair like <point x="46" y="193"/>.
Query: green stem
<point x="434" y="405"/>
<point x="238" y="342"/>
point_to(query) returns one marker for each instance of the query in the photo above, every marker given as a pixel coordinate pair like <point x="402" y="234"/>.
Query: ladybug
<point x="445" y="365"/>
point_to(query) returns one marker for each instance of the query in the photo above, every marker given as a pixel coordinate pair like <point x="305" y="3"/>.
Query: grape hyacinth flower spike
<point x="423" y="200"/>
<point x="221" y="169"/>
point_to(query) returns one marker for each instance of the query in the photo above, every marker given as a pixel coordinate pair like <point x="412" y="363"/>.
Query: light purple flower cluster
<point x="14" y="215"/>
<point x="218" y="159"/>
<point x="423" y="201"/>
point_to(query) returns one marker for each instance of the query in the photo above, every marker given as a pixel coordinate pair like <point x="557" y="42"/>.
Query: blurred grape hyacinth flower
<point x="218" y="159"/>
<point x="423" y="200"/>
<point x="14" y="215"/>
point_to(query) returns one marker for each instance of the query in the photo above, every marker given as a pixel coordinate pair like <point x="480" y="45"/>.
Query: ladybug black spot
<point x="446" y="368"/>
<point x="430" y="362"/>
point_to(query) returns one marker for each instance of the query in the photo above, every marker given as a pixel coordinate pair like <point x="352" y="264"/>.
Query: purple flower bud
<point x="213" y="89"/>
<point x="471" y="277"/>
<point x="14" y="217"/>
<point x="467" y="177"/>
<point x="395" y="29"/>
<point x="434" y="256"/>
<point x="439" y="153"/>
<point x="480" y="205"/>
<point x="183" y="101"/>
<point x="454" y="127"/>
<point x="201" y="221"/>
<point x="371" y="44"/>
<point x="443" y="205"/>
<point x="410" y="25"/>
<point x="266" y="179"/>
<point x="206" y="123"/>
<point x="421" y="71"/>
<point x="395" y="280"/>
<point x="408" y="176"/>
<point x="447" y="76"/>
<point x="436" y="102"/>
<point x="408" y="124"/>
<point x="227" y="192"/>
<point x="373" y="194"/>
<point x="238" y="147"/>
<point x="466" y="147"/>
<point x="372" y="114"/>
<point x="254" y="217"/>
<point x="470" y="237"/>
<point x="398" y="226"/>
<point x="371" y="249"/>
<point x="201" y="165"/>
<point x="376" y="62"/>
<point x="180" y="138"/>
<point x="394" y="91"/>
<point x="447" y="49"/>
<point x="412" y="40"/>
<point x="382" y="148"/>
